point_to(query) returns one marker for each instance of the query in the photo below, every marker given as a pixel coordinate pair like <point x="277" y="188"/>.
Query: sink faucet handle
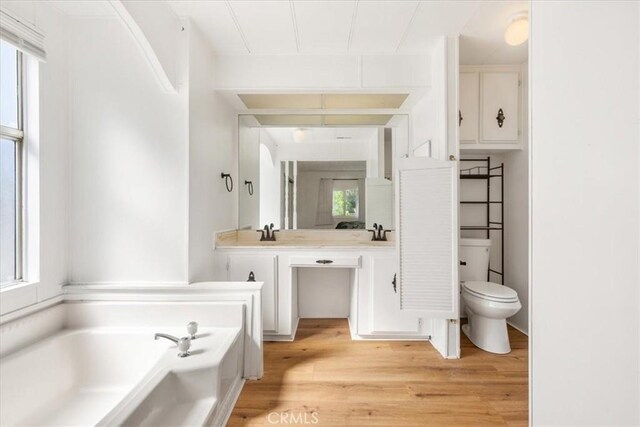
<point x="192" y="328"/>
<point x="184" y="344"/>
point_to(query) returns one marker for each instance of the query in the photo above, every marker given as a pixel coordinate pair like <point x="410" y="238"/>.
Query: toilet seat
<point x="490" y="291"/>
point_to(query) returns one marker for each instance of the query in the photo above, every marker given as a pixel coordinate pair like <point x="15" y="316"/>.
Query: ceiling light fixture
<point x="299" y="135"/>
<point x="517" y="31"/>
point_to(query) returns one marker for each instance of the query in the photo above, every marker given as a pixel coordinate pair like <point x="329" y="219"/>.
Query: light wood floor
<point x="382" y="383"/>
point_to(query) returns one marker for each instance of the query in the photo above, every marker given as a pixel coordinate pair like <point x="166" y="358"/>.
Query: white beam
<point x="156" y="31"/>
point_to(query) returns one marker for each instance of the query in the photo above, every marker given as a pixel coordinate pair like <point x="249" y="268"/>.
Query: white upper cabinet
<point x="490" y="107"/>
<point x="469" y="107"/>
<point x="500" y="113"/>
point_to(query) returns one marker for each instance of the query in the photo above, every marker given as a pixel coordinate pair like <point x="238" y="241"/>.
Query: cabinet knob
<point x="252" y="277"/>
<point x="500" y="117"/>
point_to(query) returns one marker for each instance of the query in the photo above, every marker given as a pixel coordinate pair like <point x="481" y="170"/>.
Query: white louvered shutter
<point x="427" y="212"/>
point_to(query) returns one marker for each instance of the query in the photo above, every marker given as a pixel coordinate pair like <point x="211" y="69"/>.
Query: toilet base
<point x="488" y="334"/>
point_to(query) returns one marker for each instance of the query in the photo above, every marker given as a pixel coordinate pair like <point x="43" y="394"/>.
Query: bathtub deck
<point x="383" y="383"/>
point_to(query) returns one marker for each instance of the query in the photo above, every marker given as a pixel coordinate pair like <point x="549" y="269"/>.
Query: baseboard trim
<point x="519" y="329"/>
<point x="288" y="338"/>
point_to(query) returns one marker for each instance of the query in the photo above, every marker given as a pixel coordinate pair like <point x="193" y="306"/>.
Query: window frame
<point x="17" y="136"/>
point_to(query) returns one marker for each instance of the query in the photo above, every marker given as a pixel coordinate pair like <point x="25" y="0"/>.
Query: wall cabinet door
<point x="386" y="316"/>
<point x="264" y="269"/>
<point x="500" y="98"/>
<point x="469" y="107"/>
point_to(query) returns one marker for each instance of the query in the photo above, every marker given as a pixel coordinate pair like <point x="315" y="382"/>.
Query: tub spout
<point x="183" y="343"/>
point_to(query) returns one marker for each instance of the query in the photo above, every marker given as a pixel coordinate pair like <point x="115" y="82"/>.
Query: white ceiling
<point x="342" y="26"/>
<point x="83" y="8"/>
<point x="322" y="27"/>
<point x="482" y="38"/>
<point x="324" y="134"/>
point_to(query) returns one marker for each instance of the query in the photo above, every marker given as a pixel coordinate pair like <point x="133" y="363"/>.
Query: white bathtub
<point x="75" y="377"/>
<point x="96" y="363"/>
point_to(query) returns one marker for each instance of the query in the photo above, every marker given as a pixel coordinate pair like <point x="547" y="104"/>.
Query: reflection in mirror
<point x="319" y="177"/>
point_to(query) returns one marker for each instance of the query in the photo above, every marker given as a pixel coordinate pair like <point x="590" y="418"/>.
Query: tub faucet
<point x="183" y="343"/>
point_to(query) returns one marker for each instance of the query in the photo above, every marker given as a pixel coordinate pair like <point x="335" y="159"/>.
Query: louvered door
<point x="427" y="213"/>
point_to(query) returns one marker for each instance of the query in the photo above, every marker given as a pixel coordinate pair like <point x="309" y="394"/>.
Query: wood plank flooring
<point x="324" y="378"/>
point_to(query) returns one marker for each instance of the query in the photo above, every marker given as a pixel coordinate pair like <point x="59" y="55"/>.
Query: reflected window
<point x="345" y="199"/>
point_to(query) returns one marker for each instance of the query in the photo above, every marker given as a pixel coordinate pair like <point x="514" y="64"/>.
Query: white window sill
<point x="19" y="295"/>
<point x="16" y="285"/>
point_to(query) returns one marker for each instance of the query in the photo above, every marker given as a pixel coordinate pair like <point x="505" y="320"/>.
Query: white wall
<point x="51" y="153"/>
<point x="129" y="162"/>
<point x="212" y="150"/>
<point x="429" y="115"/>
<point x="249" y="169"/>
<point x="516" y="212"/>
<point x="585" y="191"/>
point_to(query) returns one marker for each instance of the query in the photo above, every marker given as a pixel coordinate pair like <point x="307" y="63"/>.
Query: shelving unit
<point x="488" y="174"/>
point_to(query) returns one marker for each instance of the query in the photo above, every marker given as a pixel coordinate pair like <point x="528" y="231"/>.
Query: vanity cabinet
<point x="489" y="101"/>
<point x="264" y="269"/>
<point x="386" y="316"/>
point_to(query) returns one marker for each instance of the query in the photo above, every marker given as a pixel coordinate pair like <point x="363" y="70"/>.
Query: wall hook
<point x="249" y="185"/>
<point x="228" y="181"/>
<point x="500" y="117"/>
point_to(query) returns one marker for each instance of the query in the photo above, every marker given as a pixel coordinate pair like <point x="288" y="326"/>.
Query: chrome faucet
<point x="183" y="343"/>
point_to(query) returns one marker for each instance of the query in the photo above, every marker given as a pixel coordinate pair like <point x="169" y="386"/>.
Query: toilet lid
<point x="491" y="291"/>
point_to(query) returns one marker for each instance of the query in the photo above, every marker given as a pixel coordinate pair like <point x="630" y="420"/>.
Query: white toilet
<point x="487" y="304"/>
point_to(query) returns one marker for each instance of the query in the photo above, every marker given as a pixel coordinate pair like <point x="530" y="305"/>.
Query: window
<point x="345" y="199"/>
<point x="11" y="142"/>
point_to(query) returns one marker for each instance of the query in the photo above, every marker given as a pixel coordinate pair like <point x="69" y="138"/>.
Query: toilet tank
<point x="475" y="253"/>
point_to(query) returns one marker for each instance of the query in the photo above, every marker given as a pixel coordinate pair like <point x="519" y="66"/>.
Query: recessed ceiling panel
<point x="266" y="25"/>
<point x="364" y="100"/>
<point x="289" y="120"/>
<point x="323" y="120"/>
<point x="357" y="120"/>
<point x="380" y="25"/>
<point x="297" y="101"/>
<point x="287" y="101"/>
<point x="324" y="26"/>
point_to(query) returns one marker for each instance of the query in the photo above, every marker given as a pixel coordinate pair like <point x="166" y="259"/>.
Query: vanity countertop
<point x="303" y="239"/>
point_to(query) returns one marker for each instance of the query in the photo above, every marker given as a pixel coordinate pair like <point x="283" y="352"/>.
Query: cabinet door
<point x="469" y="107"/>
<point x="264" y="270"/>
<point x="386" y="316"/>
<point x="500" y="91"/>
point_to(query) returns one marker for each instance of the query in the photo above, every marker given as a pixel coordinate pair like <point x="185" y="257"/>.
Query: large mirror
<point x="318" y="172"/>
